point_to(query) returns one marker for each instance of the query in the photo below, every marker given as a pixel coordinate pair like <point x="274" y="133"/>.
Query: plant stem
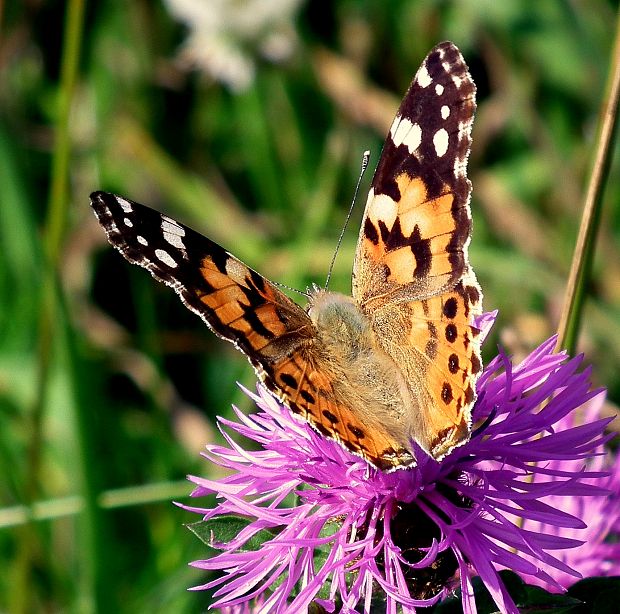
<point x="568" y="328"/>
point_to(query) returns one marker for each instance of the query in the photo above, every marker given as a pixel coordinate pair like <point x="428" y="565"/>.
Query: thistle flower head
<point x="334" y="531"/>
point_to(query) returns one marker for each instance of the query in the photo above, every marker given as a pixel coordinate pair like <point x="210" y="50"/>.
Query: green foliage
<point x="106" y="381"/>
<point x="529" y="599"/>
<point x="224" y="529"/>
<point x="596" y="594"/>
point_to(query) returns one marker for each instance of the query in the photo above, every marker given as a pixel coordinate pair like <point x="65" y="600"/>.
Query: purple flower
<point x="339" y="533"/>
<point x="599" y="555"/>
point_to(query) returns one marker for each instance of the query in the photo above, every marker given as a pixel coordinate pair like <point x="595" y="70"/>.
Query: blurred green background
<point x="246" y="120"/>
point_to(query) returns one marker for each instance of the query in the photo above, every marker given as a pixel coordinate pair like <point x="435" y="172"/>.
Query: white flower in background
<point x="224" y="35"/>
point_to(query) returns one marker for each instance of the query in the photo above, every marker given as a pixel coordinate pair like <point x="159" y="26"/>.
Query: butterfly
<point x="392" y="368"/>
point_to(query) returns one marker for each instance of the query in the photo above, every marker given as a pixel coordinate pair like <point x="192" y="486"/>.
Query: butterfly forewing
<point x="236" y="302"/>
<point x="417" y="223"/>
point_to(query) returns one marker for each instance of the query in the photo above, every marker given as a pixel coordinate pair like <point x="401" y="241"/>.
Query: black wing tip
<point x="107" y="205"/>
<point x="99" y="206"/>
<point x="99" y="197"/>
<point x="101" y="202"/>
<point x="444" y="45"/>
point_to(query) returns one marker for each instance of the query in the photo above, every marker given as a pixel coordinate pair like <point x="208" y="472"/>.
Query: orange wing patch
<point x="411" y="275"/>
<point x="415" y="242"/>
<point x="310" y="390"/>
<point x="246" y="305"/>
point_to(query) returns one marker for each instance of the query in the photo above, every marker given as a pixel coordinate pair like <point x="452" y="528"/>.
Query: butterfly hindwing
<point x="441" y="357"/>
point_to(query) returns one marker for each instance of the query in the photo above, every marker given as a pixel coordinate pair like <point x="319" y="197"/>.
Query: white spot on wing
<point x="174" y="240"/>
<point x="170" y="225"/>
<point x="142" y="240"/>
<point x="394" y="125"/>
<point x="125" y="204"/>
<point x="403" y="132"/>
<point x="165" y="257"/>
<point x="173" y="233"/>
<point x="236" y="269"/>
<point x="381" y="207"/>
<point x="423" y="78"/>
<point x="456" y="79"/>
<point x="441" y="141"/>
<point x="128" y="222"/>
<point x="445" y="111"/>
<point x="439" y="89"/>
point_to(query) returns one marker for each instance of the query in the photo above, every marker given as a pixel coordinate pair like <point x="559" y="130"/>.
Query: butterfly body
<point x="394" y="365"/>
<point x="365" y="378"/>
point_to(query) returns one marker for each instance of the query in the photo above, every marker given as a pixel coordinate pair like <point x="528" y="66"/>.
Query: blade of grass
<point x="260" y="160"/>
<point x="568" y="329"/>
<point x="132" y="496"/>
<point x="55" y="337"/>
<point x="58" y="205"/>
<point x="93" y="581"/>
<point x="21" y="257"/>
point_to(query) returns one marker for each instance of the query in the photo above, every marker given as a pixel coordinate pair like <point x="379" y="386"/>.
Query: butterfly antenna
<point x="290" y="288"/>
<point x="363" y="167"/>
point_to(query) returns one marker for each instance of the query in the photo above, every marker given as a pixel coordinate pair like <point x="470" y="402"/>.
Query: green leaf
<point x="315" y="608"/>
<point x="599" y="595"/>
<point x="538" y="600"/>
<point x="529" y="599"/>
<point x="224" y="529"/>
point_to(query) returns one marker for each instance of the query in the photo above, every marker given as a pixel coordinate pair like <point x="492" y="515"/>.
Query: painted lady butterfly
<point x="398" y="361"/>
